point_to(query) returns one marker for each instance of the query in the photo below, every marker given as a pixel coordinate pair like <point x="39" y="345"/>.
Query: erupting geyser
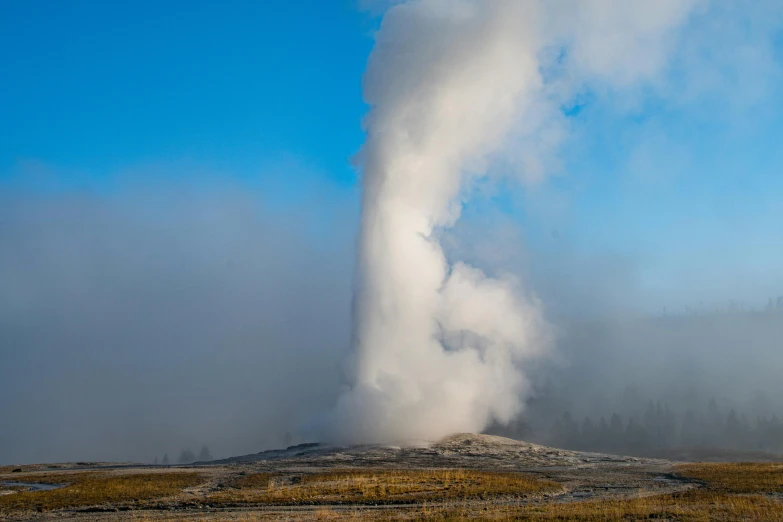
<point x="440" y="348"/>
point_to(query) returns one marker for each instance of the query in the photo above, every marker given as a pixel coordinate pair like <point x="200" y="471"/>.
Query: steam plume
<point x="440" y="348"/>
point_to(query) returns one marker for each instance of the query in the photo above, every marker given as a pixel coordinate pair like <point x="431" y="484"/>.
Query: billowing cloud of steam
<point x="455" y="87"/>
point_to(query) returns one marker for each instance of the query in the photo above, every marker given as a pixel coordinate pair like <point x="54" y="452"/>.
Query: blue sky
<point x="99" y="86"/>
<point x="688" y="191"/>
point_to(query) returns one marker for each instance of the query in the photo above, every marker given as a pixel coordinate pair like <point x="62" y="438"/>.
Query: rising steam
<point x="454" y="85"/>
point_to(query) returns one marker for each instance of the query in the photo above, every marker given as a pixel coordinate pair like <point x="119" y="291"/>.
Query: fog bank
<point x="167" y="316"/>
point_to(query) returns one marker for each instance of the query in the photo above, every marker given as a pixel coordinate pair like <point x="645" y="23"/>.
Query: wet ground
<point x="31" y="486"/>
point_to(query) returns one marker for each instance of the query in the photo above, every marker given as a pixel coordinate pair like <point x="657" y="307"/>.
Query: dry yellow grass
<point x="255" y="481"/>
<point x="733" y="492"/>
<point x="692" y="505"/>
<point x="737" y="477"/>
<point x="729" y="492"/>
<point x="381" y="486"/>
<point x="90" y="489"/>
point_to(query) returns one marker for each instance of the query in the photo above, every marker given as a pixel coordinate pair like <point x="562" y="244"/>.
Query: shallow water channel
<point x="33" y="486"/>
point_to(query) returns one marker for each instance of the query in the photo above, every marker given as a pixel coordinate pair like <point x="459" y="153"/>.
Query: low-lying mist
<point x="657" y="385"/>
<point x="639" y="372"/>
<point x="148" y="321"/>
<point x="162" y="317"/>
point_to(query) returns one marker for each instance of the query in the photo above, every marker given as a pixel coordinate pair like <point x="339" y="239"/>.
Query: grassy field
<point x="738" y="491"/>
<point x="737" y="478"/>
<point x="720" y="492"/>
<point x="91" y="489"/>
<point x="725" y="492"/>
<point x="381" y="486"/>
<point x="687" y="507"/>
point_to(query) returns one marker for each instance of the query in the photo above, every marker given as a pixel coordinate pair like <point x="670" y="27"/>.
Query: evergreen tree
<point x="204" y="455"/>
<point x="570" y="431"/>
<point x="604" y="435"/>
<point x="733" y="430"/>
<point x="636" y="437"/>
<point x="714" y="430"/>
<point x="775" y="434"/>
<point x="689" y="434"/>
<point x="588" y="439"/>
<point x="761" y="433"/>
<point x="668" y="427"/>
<point x="616" y="433"/>
<point x="650" y="419"/>
<point x="165" y="460"/>
<point x="186" y="456"/>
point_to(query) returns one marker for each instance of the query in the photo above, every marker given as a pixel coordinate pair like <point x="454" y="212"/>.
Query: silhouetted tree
<point x="735" y="432"/>
<point x="565" y="432"/>
<point x="775" y="434"/>
<point x="155" y="462"/>
<point x="165" y="460"/>
<point x="616" y="433"/>
<point x="571" y="431"/>
<point x="186" y="456"/>
<point x="665" y="433"/>
<point x="204" y="454"/>
<point x="650" y="418"/>
<point x="589" y="438"/>
<point x="604" y="435"/>
<point x="636" y="437"/>
<point x="689" y="433"/>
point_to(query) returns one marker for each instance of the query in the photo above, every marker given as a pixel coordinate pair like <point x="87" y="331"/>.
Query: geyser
<point x="453" y="85"/>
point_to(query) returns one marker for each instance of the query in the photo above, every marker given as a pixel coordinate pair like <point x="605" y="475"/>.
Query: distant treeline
<point x="186" y="456"/>
<point x="774" y="304"/>
<point x="703" y="380"/>
<point x="659" y="428"/>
